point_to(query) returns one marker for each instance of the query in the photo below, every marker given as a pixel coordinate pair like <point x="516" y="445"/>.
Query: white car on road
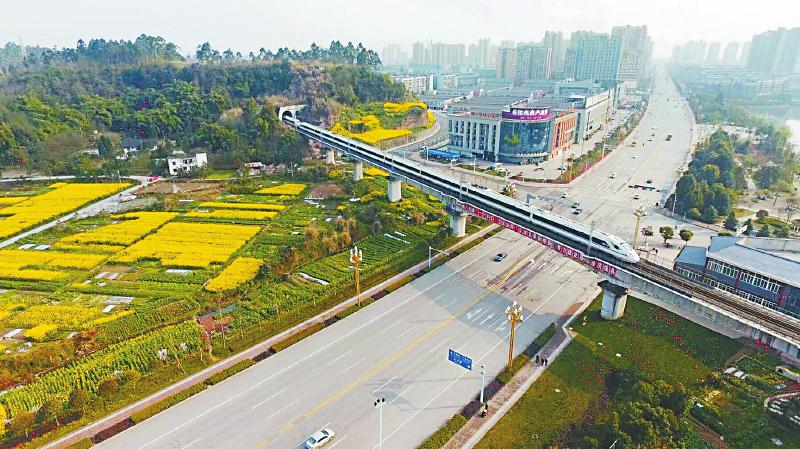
<point x="319" y="438"/>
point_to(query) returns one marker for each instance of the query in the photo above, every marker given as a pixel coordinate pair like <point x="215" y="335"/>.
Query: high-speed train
<point x="579" y="236"/>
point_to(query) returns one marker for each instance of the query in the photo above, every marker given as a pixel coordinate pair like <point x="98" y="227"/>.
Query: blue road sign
<point x="459" y="359"/>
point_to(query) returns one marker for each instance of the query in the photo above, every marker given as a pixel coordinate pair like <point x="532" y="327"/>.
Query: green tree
<point x="78" y="401"/>
<point x="764" y="231"/>
<point x="731" y="223"/>
<point x="49" y="411"/>
<point x="710" y="214"/>
<point x="667" y="232"/>
<point x="693" y="213"/>
<point x="21" y="424"/>
<point x="686" y="235"/>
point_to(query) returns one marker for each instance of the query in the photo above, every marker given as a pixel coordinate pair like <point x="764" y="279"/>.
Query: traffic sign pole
<point x="483" y="380"/>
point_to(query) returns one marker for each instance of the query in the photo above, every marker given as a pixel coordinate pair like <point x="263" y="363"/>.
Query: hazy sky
<point x="246" y="25"/>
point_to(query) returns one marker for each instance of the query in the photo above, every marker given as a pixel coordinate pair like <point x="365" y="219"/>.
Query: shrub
<point x="280" y="346"/>
<point x="229" y="371"/>
<point x="443" y="435"/>
<point x="516" y="365"/>
<point x="159" y="407"/>
<point x="85" y="443"/>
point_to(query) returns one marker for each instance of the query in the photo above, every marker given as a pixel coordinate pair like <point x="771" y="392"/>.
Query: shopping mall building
<point x="521" y="133"/>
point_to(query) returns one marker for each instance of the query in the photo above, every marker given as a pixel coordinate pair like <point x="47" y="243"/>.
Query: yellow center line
<point x="375" y="370"/>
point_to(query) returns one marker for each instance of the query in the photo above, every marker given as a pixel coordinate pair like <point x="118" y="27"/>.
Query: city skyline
<point x="264" y="25"/>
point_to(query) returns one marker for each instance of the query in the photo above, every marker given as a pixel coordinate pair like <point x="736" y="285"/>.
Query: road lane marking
<point x="383" y="364"/>
<point x="354" y="364"/>
<point x="401" y="394"/>
<point x="386" y="329"/>
<point x="387" y="383"/>
<point x="267" y="399"/>
<point x="450" y="303"/>
<point x="438" y="345"/>
<point x="342" y="355"/>
<point x="191" y="444"/>
<point x="486" y="319"/>
<point x="338" y="440"/>
<point x="280" y="410"/>
<point x="406" y="331"/>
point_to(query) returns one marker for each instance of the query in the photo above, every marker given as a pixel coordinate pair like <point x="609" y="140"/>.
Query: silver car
<point x="319" y="438"/>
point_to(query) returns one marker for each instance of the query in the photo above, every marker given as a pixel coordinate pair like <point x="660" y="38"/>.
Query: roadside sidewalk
<point x="123" y="414"/>
<point x="476" y="427"/>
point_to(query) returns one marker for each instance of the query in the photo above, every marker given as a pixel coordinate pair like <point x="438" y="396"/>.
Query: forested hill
<point x="224" y="104"/>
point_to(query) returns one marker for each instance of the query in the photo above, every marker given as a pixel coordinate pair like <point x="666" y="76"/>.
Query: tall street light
<point x="356" y="256"/>
<point x="514" y="314"/>
<point x="379" y="405"/>
<point x="639" y="213"/>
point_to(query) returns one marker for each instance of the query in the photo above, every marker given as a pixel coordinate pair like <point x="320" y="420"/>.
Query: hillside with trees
<point x="57" y="104"/>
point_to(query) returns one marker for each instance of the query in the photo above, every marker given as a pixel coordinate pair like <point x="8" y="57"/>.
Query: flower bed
<point x="250" y="206"/>
<point x="233" y="214"/>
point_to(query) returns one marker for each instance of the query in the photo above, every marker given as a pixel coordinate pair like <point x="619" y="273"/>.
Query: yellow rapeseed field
<point x="64" y="198"/>
<point x="283" y="189"/>
<point x="63" y="316"/>
<point x="375" y="171"/>
<point x="234" y="214"/>
<point x="40" y="331"/>
<point x="245" y="206"/>
<point x="11" y="200"/>
<point x="241" y="270"/>
<point x="133" y="226"/>
<point x="33" y="265"/>
<point x="189" y="244"/>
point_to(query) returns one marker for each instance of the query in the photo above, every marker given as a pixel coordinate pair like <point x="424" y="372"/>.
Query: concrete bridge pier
<point x="614" y="299"/>
<point x="458" y="223"/>
<point x="330" y="157"/>
<point x="358" y="171"/>
<point x="395" y="190"/>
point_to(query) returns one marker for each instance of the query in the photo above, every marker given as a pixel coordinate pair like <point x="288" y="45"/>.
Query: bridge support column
<point x="358" y="171"/>
<point x="395" y="190"/>
<point x="458" y="223"/>
<point x="614" y="299"/>
<point x="330" y="157"/>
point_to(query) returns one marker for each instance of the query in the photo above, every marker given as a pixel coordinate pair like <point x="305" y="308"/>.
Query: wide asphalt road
<point x="608" y="201"/>
<point x="394" y="349"/>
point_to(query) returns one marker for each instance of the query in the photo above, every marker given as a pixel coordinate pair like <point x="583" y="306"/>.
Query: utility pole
<point x="356" y="256"/>
<point x="589" y="245"/>
<point x="430" y="250"/>
<point x="514" y="314"/>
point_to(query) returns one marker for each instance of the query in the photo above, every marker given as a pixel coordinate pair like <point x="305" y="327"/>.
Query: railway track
<point x="739" y="306"/>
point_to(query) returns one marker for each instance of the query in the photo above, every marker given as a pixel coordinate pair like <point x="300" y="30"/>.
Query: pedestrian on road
<point x="545" y="362"/>
<point x="537" y="358"/>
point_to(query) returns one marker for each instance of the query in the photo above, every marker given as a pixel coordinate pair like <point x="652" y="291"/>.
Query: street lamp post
<point x="514" y="314"/>
<point x="430" y="253"/>
<point x="379" y="405"/>
<point x="639" y="213"/>
<point x="356" y="256"/>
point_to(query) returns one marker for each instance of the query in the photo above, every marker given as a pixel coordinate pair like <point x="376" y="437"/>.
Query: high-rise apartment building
<point x="393" y="54"/>
<point x="775" y="51"/>
<point x="507" y="63"/>
<point x="712" y="57"/>
<point x="554" y="40"/>
<point x="507" y="44"/>
<point x="418" y="54"/>
<point x="731" y="54"/>
<point x="593" y="56"/>
<point x="635" y="52"/>
<point x="744" y="56"/>
<point x="533" y="62"/>
<point x="692" y="52"/>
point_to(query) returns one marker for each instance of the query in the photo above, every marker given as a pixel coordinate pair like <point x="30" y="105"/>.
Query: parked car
<point x="500" y="256"/>
<point x="636" y="197"/>
<point x="649" y="181"/>
<point x="319" y="438"/>
<point x="577" y="211"/>
<point x="564" y="196"/>
<point x="576" y="205"/>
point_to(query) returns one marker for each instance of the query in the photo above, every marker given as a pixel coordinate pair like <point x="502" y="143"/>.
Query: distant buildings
<point x="636" y="52"/>
<point x="593" y="56"/>
<point x="692" y="52"/>
<point x="731" y="55"/>
<point x="775" y="51"/>
<point x="712" y="57"/>
<point x="393" y="54"/>
<point x="507" y="63"/>
<point x="554" y="40"/>
<point x="416" y="84"/>
<point x="185" y="164"/>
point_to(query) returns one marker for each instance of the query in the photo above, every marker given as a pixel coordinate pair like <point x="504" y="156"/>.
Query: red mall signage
<point x="552" y="244"/>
